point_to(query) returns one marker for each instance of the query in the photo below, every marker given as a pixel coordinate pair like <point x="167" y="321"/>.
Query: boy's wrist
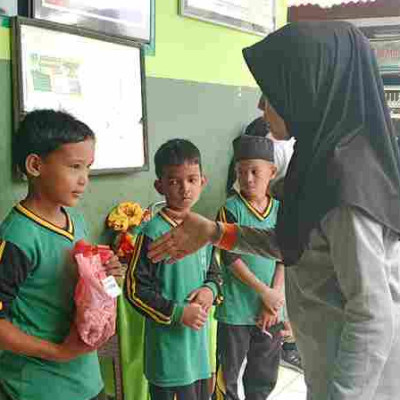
<point x="177" y="314"/>
<point x="278" y="287"/>
<point x="262" y="288"/>
<point x="53" y="352"/>
<point x="57" y="353"/>
<point x="213" y="287"/>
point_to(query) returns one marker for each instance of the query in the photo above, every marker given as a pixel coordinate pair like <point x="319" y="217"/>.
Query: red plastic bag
<point x="95" y="309"/>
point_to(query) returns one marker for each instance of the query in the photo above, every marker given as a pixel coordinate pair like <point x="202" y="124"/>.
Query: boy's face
<point x="181" y="185"/>
<point x="61" y="177"/>
<point x="254" y="177"/>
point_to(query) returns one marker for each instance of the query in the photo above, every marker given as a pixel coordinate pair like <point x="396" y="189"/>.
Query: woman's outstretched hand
<point x="192" y="234"/>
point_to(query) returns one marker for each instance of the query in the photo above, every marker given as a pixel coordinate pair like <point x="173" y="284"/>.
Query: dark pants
<point x="5" y="396"/>
<point x="235" y="343"/>
<point x="196" y="391"/>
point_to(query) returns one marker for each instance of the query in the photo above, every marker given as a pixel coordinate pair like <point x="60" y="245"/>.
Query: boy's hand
<point x="287" y="331"/>
<point x="72" y="347"/>
<point x="194" y="316"/>
<point x="114" y="267"/>
<point x="266" y="320"/>
<point x="203" y="296"/>
<point x="272" y="299"/>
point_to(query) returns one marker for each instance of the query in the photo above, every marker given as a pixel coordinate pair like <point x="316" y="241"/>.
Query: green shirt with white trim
<point x="175" y="355"/>
<point x="242" y="304"/>
<point x="38" y="278"/>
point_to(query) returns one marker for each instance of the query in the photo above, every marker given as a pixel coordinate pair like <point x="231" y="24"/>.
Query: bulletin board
<point x="98" y="79"/>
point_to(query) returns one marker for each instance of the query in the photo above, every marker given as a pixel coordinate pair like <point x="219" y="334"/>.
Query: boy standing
<point x="176" y="297"/>
<point x="43" y="357"/>
<point x="252" y="284"/>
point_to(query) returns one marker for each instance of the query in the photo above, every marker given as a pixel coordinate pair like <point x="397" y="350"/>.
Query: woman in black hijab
<point x="340" y="224"/>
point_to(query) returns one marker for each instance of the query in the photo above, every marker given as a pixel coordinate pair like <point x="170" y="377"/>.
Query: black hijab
<point x="322" y="79"/>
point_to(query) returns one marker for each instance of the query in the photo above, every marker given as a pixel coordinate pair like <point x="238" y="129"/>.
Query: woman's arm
<point x="261" y="242"/>
<point x="197" y="231"/>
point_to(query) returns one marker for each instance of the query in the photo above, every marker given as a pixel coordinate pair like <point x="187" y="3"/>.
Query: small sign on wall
<point x="122" y="18"/>
<point x="254" y="16"/>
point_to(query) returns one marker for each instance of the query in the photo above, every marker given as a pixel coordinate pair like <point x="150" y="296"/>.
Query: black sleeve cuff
<point x="14" y="269"/>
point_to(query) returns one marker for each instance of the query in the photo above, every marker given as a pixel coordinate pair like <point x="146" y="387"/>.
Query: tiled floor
<point x="290" y="386"/>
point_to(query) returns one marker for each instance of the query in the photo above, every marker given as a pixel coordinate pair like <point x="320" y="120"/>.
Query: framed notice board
<point x="96" y="78"/>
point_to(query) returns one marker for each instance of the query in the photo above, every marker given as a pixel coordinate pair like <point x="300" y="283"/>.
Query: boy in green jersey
<point x="42" y="357"/>
<point x="177" y="297"/>
<point x="252" y="284"/>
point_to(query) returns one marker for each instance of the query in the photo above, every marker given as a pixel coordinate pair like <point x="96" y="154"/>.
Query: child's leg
<point x="261" y="372"/>
<point x="196" y="391"/>
<point x="232" y="347"/>
<point x="290" y="355"/>
<point x="101" y="396"/>
<point x="162" y="393"/>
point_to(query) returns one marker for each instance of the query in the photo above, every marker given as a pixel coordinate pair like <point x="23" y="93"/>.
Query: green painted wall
<point x="4" y="42"/>
<point x="190" y="49"/>
<point x="197" y="88"/>
<point x="194" y="50"/>
<point x="210" y="115"/>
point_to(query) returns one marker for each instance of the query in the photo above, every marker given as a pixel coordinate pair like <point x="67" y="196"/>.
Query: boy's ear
<point x="33" y="165"/>
<point x="158" y="186"/>
<point x="204" y="181"/>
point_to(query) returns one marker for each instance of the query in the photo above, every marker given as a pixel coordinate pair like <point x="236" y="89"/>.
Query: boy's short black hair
<point x="43" y="131"/>
<point x="176" y="152"/>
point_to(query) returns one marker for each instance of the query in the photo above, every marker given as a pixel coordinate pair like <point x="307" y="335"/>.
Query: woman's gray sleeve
<point x="360" y="256"/>
<point x="261" y="242"/>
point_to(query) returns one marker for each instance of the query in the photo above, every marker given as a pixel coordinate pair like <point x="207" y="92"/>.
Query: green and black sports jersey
<point x="37" y="282"/>
<point x="242" y="305"/>
<point x="175" y="355"/>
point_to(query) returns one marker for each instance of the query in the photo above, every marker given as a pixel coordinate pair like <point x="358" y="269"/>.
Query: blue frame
<point x="150" y="49"/>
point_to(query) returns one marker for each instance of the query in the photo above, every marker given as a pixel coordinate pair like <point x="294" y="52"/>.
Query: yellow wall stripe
<point x="182" y="44"/>
<point x="5" y="43"/>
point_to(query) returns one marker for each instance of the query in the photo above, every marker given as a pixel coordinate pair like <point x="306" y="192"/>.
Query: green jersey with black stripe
<point x="242" y="305"/>
<point x="175" y="355"/>
<point x="37" y="286"/>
